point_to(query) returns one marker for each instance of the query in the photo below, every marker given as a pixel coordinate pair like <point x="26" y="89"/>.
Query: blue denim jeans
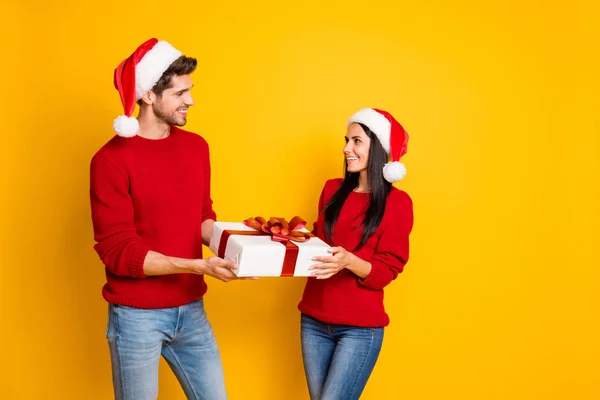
<point x="338" y="359"/>
<point x="182" y="335"/>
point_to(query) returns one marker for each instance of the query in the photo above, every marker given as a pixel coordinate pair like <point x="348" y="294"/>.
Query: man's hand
<point x="222" y="269"/>
<point x="159" y="264"/>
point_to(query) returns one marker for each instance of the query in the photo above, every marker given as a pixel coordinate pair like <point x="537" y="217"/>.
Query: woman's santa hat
<point x="136" y="76"/>
<point x="391" y="134"/>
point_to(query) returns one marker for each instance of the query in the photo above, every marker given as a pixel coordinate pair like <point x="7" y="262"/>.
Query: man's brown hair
<point x="182" y="66"/>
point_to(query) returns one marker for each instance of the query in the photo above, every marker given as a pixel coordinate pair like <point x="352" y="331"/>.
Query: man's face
<point x="173" y="104"/>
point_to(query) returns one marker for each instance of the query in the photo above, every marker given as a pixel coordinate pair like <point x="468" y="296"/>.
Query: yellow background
<point x="500" y="297"/>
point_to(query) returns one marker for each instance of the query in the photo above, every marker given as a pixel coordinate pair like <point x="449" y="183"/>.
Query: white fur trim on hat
<point x="376" y="122"/>
<point x="126" y="126"/>
<point x="394" y="171"/>
<point x="151" y="67"/>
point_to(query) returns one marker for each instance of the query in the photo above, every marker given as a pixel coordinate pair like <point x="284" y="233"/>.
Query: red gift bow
<point x="280" y="231"/>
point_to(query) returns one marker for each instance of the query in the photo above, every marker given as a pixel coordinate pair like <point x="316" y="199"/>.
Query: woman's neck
<point x="363" y="183"/>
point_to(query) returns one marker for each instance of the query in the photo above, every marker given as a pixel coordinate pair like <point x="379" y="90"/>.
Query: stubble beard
<point x="171" y="119"/>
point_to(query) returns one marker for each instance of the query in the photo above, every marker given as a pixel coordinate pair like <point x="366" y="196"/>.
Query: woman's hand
<point x="340" y="259"/>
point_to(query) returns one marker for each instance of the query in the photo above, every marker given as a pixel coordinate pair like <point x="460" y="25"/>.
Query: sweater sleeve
<point x="326" y="193"/>
<point x="392" y="250"/>
<point x="207" y="209"/>
<point x="319" y="210"/>
<point x="117" y="243"/>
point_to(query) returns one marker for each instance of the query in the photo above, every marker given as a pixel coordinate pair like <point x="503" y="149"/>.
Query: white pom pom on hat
<point x="391" y="134"/>
<point x="126" y="126"/>
<point x="394" y="171"/>
<point x="136" y="75"/>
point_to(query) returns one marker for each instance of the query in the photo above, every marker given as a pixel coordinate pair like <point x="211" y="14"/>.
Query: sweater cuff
<point x="136" y="266"/>
<point x="373" y="280"/>
<point x="211" y="215"/>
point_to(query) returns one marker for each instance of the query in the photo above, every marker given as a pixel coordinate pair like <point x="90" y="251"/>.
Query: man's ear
<point x="149" y="98"/>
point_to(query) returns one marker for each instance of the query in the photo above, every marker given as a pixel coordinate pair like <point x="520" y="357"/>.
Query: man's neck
<point x="151" y="127"/>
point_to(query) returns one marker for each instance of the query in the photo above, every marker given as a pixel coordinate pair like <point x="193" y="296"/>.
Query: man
<point x="152" y="212"/>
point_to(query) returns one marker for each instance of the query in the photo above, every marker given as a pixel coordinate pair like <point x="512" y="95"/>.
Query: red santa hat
<point x="137" y="75"/>
<point x="391" y="134"/>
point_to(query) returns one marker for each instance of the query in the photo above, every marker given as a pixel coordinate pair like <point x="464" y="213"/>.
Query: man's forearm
<point x="207" y="231"/>
<point x="158" y="264"/>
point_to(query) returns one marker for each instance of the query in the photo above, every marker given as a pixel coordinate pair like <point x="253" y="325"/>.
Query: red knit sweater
<point x="345" y="298"/>
<point x="150" y="195"/>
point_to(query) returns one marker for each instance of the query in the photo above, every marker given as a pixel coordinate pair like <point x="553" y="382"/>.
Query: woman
<point x="367" y="222"/>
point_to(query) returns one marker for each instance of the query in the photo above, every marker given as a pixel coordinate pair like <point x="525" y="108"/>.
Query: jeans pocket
<point x="377" y="333"/>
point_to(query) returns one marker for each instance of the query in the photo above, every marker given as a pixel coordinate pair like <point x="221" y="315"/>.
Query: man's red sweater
<point x="345" y="298"/>
<point x="150" y="195"/>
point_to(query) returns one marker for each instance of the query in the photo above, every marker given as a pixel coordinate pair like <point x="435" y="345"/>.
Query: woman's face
<point x="357" y="148"/>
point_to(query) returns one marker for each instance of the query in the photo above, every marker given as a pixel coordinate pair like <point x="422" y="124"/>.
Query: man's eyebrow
<point x="183" y="89"/>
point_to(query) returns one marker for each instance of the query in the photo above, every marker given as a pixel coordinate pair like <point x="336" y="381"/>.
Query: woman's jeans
<point x="338" y="359"/>
<point x="182" y="335"/>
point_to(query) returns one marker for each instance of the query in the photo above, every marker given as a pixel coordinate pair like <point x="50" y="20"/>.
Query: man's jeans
<point x="182" y="335"/>
<point x="338" y="359"/>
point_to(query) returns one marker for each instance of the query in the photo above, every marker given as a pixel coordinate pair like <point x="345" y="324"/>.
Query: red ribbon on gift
<point x="280" y="230"/>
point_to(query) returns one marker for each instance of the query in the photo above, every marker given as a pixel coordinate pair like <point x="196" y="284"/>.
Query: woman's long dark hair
<point x="380" y="188"/>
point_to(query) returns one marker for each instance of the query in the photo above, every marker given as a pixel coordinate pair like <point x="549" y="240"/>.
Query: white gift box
<point x="262" y="256"/>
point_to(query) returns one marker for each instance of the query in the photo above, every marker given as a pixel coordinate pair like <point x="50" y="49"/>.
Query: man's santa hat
<point x="137" y="75"/>
<point x="391" y="134"/>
